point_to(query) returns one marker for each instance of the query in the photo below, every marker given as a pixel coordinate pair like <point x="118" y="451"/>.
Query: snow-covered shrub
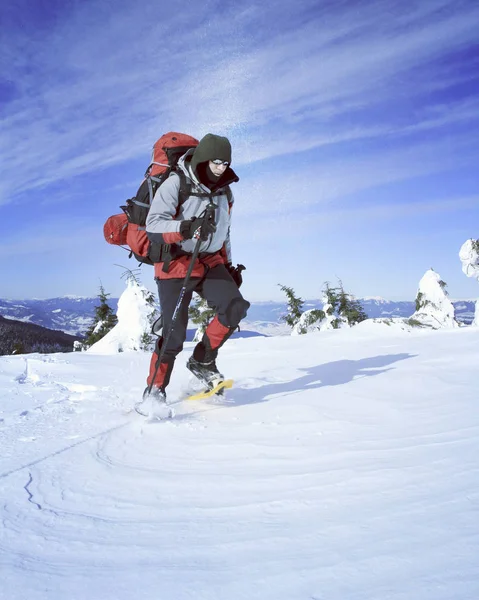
<point x="433" y="307"/>
<point x="309" y="321"/>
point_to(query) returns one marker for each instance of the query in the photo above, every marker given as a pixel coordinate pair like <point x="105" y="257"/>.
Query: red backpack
<point x="128" y="228"/>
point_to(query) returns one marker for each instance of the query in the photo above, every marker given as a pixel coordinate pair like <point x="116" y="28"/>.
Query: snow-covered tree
<point x="200" y="314"/>
<point x="136" y="314"/>
<point x="433" y="307"/>
<point x="295" y="306"/>
<point x="469" y="255"/>
<point x="104" y="321"/>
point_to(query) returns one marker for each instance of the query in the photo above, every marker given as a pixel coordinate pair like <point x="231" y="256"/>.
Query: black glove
<point x="235" y="273"/>
<point x="197" y="228"/>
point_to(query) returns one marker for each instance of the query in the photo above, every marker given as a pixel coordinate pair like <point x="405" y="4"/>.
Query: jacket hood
<point x="185" y="164"/>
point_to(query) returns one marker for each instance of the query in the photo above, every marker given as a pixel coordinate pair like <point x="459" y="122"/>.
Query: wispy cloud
<point x="322" y="182"/>
<point x="86" y="100"/>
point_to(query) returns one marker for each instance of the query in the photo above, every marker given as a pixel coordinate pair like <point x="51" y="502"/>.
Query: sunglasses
<point x="218" y="162"/>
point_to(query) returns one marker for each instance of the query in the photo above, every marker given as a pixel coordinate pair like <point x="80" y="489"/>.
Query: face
<point x="217" y="170"/>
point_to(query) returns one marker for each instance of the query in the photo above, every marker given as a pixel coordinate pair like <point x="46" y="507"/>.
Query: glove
<point x="235" y="273"/>
<point x="197" y="228"/>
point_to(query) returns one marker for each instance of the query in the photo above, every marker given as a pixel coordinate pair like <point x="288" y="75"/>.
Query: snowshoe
<point x="216" y="390"/>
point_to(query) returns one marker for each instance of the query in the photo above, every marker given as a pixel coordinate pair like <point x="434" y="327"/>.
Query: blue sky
<point x="355" y="132"/>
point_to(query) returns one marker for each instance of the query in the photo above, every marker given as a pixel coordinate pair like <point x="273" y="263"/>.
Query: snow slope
<point x="342" y="466"/>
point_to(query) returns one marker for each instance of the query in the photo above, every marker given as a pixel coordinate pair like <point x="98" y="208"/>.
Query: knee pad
<point x="235" y="311"/>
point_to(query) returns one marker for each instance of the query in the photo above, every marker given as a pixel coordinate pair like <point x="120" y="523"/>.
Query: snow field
<point x="342" y="465"/>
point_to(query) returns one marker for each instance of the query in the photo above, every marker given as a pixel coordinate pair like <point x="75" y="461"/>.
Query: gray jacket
<point x="165" y="215"/>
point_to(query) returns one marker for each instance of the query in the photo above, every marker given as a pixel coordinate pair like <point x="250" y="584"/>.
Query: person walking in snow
<point x="208" y="174"/>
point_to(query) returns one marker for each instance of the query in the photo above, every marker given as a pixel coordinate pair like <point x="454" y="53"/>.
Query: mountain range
<point x="73" y="314"/>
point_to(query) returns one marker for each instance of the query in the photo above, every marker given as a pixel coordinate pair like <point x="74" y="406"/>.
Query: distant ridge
<point x="23" y="338"/>
<point x="74" y="314"/>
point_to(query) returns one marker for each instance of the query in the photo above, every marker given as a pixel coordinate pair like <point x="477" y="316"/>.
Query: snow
<point x="436" y="310"/>
<point x="69" y="296"/>
<point x="268" y="328"/>
<point x="26" y="319"/>
<point x="378" y="299"/>
<point x="343" y="466"/>
<point x="475" y="323"/>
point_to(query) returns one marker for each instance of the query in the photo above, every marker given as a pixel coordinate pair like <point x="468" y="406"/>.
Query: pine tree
<point x="350" y="308"/>
<point x="147" y="339"/>
<point x="105" y="319"/>
<point x="200" y="314"/>
<point x="295" y="306"/>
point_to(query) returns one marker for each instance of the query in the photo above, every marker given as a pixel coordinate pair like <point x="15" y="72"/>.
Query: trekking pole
<point x="209" y="214"/>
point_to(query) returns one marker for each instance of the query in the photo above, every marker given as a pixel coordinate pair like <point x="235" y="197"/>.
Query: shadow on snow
<point x="339" y="372"/>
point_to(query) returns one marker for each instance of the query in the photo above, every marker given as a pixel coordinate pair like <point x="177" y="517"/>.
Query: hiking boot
<point x="207" y="373"/>
<point x="153" y="404"/>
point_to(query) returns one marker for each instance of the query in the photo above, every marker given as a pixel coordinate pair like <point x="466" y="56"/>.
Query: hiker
<point x="208" y="173"/>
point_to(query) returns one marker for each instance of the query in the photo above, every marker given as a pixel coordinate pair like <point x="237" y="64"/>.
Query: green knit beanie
<point x="211" y="147"/>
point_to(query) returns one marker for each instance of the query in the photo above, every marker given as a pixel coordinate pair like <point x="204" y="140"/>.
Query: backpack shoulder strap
<point x="185" y="187"/>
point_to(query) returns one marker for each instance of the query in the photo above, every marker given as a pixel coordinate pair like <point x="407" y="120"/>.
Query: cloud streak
<point x="324" y="182"/>
<point x="88" y="103"/>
